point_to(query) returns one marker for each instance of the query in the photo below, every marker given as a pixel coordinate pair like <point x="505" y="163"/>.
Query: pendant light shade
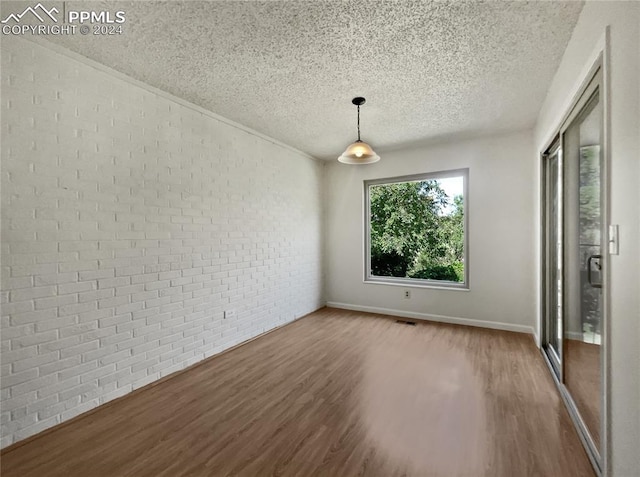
<point x="359" y="152"/>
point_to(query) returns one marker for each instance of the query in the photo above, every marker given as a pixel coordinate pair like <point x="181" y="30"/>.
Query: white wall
<point x="624" y="21"/>
<point x="501" y="234"/>
<point x="130" y="221"/>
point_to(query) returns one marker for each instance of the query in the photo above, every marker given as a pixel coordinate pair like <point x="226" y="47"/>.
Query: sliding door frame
<point x="555" y="356"/>
<point x="596" y="79"/>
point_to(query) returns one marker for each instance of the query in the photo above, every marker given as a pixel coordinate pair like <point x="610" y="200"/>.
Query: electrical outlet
<point x="229" y="314"/>
<point x="407" y="294"/>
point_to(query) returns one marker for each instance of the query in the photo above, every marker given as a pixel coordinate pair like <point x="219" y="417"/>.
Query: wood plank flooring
<point x="337" y="393"/>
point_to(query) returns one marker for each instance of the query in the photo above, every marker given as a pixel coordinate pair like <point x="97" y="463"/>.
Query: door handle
<point x="589" y="260"/>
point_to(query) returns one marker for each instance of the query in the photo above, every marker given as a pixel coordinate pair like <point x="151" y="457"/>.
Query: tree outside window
<point x="416" y="228"/>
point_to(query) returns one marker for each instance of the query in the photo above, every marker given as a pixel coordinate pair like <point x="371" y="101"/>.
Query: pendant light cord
<point x="358" y="123"/>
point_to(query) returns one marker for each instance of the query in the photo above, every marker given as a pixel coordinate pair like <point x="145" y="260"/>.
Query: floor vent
<point x="405" y="322"/>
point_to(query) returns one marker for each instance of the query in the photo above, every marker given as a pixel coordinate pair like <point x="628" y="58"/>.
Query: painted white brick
<point x="41" y="404"/>
<point x="94" y="315"/>
<point x="115" y="394"/>
<point x="61" y="323"/>
<point x="128" y="308"/>
<point x="96" y="274"/>
<point x="58" y="344"/>
<point x="56" y="279"/>
<point x="78" y="245"/>
<point x="122" y="277"/>
<point x="31" y="293"/>
<point x="59" y="365"/>
<point x="54" y="389"/>
<point x="77" y="308"/>
<point x="77" y="370"/>
<point x="99" y="353"/>
<point x="18" y="282"/>
<point x="93" y="295"/>
<point x="76" y="287"/>
<point x="96" y="374"/>
<point x="16" y="427"/>
<point x="128" y="362"/>
<point x="78" y="266"/>
<point x="33" y="385"/>
<point x="120" y="282"/>
<point x="115" y="357"/>
<point x="132" y="378"/>
<point x="97" y="334"/>
<point x="10" y="332"/>
<point x="149" y="378"/>
<point x="58" y="408"/>
<point x="59" y="257"/>
<point x="80" y="329"/>
<point x="77" y="391"/>
<point x="55" y="301"/>
<point x="80" y="349"/>
<point x="34" y="339"/>
<point x="111" y="378"/>
<point x="115" y="338"/>
<point x="19" y="377"/>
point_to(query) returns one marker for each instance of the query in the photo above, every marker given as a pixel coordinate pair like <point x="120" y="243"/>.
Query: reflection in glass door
<point x="584" y="255"/>
<point x="573" y="261"/>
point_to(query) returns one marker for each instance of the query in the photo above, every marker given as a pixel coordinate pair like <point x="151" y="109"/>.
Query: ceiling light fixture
<point x="359" y="152"/>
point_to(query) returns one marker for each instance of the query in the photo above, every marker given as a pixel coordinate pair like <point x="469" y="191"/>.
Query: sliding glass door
<point x="573" y="261"/>
<point x="584" y="257"/>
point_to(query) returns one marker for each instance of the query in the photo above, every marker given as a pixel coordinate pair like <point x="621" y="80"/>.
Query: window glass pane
<point x="416" y="229"/>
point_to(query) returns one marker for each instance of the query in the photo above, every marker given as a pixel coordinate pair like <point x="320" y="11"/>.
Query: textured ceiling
<point x="289" y="69"/>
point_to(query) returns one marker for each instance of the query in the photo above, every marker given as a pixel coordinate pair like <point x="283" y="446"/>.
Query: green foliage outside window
<point x="417" y="231"/>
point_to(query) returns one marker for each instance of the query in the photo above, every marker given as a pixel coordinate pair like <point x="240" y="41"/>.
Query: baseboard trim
<point x="536" y="338"/>
<point x="495" y="325"/>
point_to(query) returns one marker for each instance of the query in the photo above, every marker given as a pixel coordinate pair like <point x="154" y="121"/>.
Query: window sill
<point x="409" y="283"/>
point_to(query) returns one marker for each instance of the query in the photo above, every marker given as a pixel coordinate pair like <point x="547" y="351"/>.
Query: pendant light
<point x="359" y="152"/>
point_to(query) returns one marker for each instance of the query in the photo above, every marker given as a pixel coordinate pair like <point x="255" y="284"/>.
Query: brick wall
<point x="130" y="222"/>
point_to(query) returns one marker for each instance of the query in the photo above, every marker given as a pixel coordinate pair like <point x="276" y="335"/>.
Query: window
<point x="416" y="230"/>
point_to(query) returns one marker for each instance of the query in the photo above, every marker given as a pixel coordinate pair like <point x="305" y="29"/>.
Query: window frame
<point x="417" y="282"/>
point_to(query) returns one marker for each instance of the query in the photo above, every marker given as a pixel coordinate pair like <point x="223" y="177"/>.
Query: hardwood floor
<point x="336" y="393"/>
